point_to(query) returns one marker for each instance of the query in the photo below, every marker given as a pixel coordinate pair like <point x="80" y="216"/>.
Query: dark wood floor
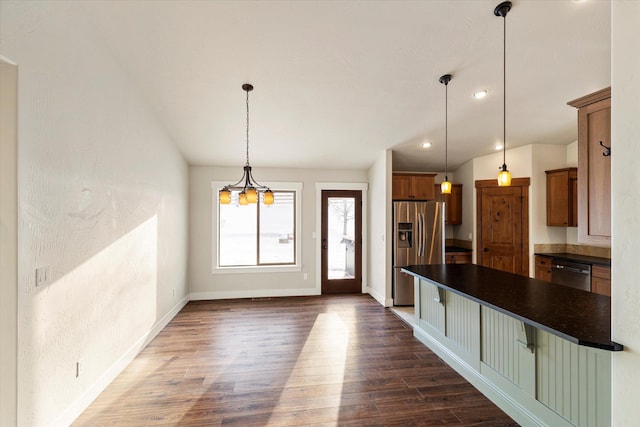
<point x="325" y="361"/>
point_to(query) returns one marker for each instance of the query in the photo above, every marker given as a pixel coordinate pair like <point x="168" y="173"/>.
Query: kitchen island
<point x="542" y="352"/>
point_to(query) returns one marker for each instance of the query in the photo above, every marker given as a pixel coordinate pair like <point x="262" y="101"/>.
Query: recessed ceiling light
<point x="480" y="94"/>
<point x="426" y="144"/>
<point x="499" y="146"/>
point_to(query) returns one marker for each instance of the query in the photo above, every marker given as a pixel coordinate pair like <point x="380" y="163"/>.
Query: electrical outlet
<point x="79" y="368"/>
<point x="43" y="275"/>
<point x="305" y="276"/>
<point x="174" y="292"/>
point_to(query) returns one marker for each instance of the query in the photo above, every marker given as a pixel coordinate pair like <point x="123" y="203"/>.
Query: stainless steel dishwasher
<point x="570" y="273"/>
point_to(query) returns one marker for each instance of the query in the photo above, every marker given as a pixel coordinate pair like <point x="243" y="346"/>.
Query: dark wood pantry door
<point x="503" y="225"/>
<point x="341" y="241"/>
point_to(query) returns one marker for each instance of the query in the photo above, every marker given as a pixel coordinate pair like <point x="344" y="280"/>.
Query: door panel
<point x="503" y="231"/>
<point x="341" y="241"/>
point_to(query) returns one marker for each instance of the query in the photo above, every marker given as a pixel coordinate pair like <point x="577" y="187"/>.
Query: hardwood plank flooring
<point x="312" y="361"/>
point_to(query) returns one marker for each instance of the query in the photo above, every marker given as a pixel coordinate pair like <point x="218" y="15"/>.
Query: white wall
<point x="380" y="225"/>
<point x="102" y="202"/>
<point x="526" y="161"/>
<point x="545" y="157"/>
<point x="572" y="161"/>
<point x="204" y="284"/>
<point x="8" y="243"/>
<point x="464" y="176"/>
<point x="625" y="199"/>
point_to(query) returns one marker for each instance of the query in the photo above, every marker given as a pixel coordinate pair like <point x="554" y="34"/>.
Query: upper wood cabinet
<point x="594" y="168"/>
<point x="562" y="197"/>
<point x="406" y="186"/>
<point x="453" y="203"/>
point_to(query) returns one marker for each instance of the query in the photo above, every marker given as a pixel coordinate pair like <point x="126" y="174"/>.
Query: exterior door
<point x="341" y="242"/>
<point x="503" y="225"/>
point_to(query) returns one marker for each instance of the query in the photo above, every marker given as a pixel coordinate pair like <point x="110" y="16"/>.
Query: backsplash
<point x="597" y="251"/>
<point x="467" y="244"/>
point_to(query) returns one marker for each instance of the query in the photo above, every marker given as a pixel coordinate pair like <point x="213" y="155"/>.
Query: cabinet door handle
<point x="485" y="250"/>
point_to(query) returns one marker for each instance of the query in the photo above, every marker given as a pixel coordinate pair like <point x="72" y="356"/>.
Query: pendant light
<point x="445" y="187"/>
<point x="247" y="185"/>
<point x="504" y="177"/>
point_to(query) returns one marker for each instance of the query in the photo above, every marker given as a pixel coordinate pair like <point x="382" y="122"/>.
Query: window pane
<point x="341" y="237"/>
<point x="277" y="229"/>
<point x="238" y="231"/>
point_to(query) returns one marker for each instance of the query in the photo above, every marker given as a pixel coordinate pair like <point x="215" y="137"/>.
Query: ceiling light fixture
<point x="247" y="186"/>
<point x="499" y="146"/>
<point x="445" y="187"/>
<point x="480" y="94"/>
<point x="504" y="177"/>
<point x="426" y="145"/>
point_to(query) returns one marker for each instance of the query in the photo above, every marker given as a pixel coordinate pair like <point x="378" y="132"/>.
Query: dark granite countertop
<point x="578" y="316"/>
<point x="592" y="260"/>
<point x="456" y="249"/>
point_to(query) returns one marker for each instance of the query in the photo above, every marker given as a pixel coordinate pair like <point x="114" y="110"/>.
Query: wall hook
<point x="607" y="150"/>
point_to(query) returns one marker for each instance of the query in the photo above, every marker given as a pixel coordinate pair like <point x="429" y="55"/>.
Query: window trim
<point x="272" y="268"/>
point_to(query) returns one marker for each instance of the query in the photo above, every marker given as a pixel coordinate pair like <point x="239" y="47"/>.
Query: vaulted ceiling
<point x="337" y="82"/>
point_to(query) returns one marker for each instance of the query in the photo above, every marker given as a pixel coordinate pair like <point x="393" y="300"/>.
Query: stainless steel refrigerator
<point x="418" y="238"/>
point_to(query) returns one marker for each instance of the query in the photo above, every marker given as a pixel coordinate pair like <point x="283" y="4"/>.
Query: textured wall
<point x="204" y="284"/>
<point x="8" y="242"/>
<point x="380" y="234"/>
<point x="102" y="202"/>
<point x="625" y="200"/>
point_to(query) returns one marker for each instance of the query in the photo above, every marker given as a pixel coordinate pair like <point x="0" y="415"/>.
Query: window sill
<point x="254" y="269"/>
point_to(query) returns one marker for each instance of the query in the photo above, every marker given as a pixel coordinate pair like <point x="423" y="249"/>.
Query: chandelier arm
<point x="255" y="183"/>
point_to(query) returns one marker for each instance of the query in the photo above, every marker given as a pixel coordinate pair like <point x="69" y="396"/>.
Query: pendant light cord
<point x="247" y="128"/>
<point x="446" y="129"/>
<point x="504" y="91"/>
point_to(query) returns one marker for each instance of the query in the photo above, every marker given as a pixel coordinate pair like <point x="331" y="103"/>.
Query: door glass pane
<point x="238" y="229"/>
<point x="341" y="238"/>
<point x="277" y="227"/>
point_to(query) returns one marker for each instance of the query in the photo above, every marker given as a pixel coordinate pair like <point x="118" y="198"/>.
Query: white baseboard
<point x="378" y="296"/>
<point x="199" y="296"/>
<point x="81" y="403"/>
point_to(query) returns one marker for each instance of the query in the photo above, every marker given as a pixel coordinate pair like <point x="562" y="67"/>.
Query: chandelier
<point x="247" y="185"/>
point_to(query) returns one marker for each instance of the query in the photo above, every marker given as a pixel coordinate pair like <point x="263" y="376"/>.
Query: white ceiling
<point x="337" y="82"/>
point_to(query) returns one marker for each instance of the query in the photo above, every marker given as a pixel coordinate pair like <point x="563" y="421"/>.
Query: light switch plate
<point x="43" y="275"/>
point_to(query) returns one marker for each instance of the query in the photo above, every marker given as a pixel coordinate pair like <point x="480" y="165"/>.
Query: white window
<point x="258" y="236"/>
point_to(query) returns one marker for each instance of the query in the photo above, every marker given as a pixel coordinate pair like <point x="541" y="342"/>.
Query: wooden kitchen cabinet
<point x="601" y="280"/>
<point x="562" y="197"/>
<point x="594" y="168"/>
<point x="457" y="258"/>
<point x="543" y="268"/>
<point x="419" y="187"/>
<point x="453" y="202"/>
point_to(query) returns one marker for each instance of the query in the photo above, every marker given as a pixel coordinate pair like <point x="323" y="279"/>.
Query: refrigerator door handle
<point x="421" y="234"/>
<point x="418" y="236"/>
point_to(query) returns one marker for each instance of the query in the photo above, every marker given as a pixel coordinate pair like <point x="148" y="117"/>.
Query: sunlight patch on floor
<point x="321" y="362"/>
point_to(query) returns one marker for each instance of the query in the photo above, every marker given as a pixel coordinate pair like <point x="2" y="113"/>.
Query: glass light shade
<point x="243" y="198"/>
<point x="504" y="177"/>
<point x="268" y="197"/>
<point x="445" y="187"/>
<point x="224" y="196"/>
<point x="252" y="195"/>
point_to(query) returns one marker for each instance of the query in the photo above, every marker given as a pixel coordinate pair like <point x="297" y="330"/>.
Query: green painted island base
<point x="537" y="378"/>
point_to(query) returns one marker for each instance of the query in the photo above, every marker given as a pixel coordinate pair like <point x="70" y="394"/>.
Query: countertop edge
<point x="608" y="346"/>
